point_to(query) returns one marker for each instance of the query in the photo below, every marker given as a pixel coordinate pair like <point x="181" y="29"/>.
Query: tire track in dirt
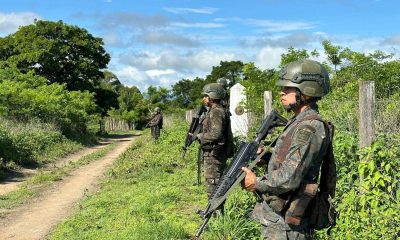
<point x="12" y="183"/>
<point x="36" y="220"/>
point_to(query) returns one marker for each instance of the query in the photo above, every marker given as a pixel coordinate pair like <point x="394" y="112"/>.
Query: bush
<point x="29" y="143"/>
<point x="68" y="110"/>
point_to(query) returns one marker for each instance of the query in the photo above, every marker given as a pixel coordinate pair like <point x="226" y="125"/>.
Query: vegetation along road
<point x="36" y="219"/>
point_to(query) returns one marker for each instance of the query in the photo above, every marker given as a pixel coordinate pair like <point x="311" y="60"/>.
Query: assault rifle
<point x="189" y="140"/>
<point x="193" y="126"/>
<point x="246" y="156"/>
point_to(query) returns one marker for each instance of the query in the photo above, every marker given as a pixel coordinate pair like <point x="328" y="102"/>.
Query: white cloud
<point x="112" y="39"/>
<point x="156" y="72"/>
<point x="279" y="26"/>
<point x="164" y="37"/>
<point x="197" y="25"/>
<point x="392" y="40"/>
<point x="202" y="60"/>
<point x="128" y="20"/>
<point x="204" y="10"/>
<point x="165" y="68"/>
<point x="298" y="39"/>
<point x="130" y="75"/>
<point x="9" y="22"/>
<point x="269" y="57"/>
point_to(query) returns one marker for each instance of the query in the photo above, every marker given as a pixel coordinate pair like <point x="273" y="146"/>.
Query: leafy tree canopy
<point x="231" y="70"/>
<point x="158" y="96"/>
<point x="59" y="52"/>
<point x="110" y="81"/>
<point x="129" y="98"/>
<point x="293" y="54"/>
<point x="187" y="93"/>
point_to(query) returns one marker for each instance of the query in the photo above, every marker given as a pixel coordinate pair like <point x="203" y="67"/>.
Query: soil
<point x="36" y="219"/>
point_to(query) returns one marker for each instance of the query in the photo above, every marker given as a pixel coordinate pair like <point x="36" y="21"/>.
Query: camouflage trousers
<point x="214" y="165"/>
<point x="155" y="132"/>
<point x="274" y="227"/>
<point x="270" y="233"/>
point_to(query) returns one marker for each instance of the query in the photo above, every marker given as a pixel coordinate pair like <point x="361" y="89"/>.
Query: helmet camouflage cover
<point x="214" y="91"/>
<point x="223" y="82"/>
<point x="157" y="109"/>
<point x="309" y="76"/>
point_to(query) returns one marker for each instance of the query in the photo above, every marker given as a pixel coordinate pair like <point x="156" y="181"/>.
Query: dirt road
<point x="36" y="220"/>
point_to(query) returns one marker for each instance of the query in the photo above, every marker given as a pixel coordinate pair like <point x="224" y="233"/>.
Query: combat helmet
<point x="157" y="109"/>
<point x="223" y="82"/>
<point x="309" y="76"/>
<point x="214" y="91"/>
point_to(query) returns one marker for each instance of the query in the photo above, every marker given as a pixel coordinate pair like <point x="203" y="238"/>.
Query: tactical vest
<point x="226" y="141"/>
<point x="294" y="204"/>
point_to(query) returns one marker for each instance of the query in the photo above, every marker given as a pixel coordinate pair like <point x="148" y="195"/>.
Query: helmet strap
<point x="300" y="101"/>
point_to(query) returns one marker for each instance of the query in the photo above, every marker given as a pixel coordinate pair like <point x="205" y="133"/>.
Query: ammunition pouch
<point x="276" y="203"/>
<point x="299" y="203"/>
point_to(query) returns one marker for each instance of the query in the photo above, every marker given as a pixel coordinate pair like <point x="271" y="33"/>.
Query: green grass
<point x="32" y="186"/>
<point x="151" y="193"/>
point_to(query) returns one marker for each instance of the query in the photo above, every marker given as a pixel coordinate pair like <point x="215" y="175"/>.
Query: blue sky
<point x="156" y="42"/>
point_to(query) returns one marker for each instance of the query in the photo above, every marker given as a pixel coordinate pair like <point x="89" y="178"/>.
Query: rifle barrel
<point x="201" y="228"/>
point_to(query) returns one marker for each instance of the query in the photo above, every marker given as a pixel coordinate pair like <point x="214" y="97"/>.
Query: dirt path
<point x="36" y="220"/>
<point x="12" y="182"/>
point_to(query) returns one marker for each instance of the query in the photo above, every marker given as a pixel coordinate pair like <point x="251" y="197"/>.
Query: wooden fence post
<point x="189" y="115"/>
<point x="367" y="119"/>
<point x="267" y="103"/>
<point x="367" y="113"/>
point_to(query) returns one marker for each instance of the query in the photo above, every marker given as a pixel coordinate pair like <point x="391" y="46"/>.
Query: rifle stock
<point x="245" y="157"/>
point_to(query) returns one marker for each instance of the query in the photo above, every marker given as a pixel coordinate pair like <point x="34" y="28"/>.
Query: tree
<point x="111" y="81"/>
<point x="231" y="70"/>
<point x="256" y="81"/>
<point x="335" y="53"/>
<point x="157" y="96"/>
<point x="129" y="98"/>
<point x="293" y="55"/>
<point x="61" y="53"/>
<point x="187" y="93"/>
<point x="69" y="110"/>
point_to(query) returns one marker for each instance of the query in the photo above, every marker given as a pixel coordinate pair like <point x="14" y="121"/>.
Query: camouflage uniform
<point x="156" y="124"/>
<point x="212" y="140"/>
<point x="225" y="102"/>
<point x="300" y="164"/>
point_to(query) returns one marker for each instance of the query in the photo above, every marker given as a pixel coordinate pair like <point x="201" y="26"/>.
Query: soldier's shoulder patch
<point x="303" y="134"/>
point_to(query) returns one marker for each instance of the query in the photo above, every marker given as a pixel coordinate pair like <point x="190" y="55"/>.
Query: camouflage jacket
<point x="302" y="161"/>
<point x="157" y="120"/>
<point x="286" y="171"/>
<point x="213" y="129"/>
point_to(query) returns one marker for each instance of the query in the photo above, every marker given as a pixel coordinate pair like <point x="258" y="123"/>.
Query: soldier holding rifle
<point x="294" y="166"/>
<point x="215" y="129"/>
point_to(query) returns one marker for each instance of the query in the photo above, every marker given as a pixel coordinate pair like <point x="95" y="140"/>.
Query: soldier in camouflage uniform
<point x="213" y="136"/>
<point x="297" y="156"/>
<point x="156" y="123"/>
<point x="224" y="83"/>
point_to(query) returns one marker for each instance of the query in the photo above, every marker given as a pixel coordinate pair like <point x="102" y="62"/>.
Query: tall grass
<point x="151" y="193"/>
<point x="32" y="143"/>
